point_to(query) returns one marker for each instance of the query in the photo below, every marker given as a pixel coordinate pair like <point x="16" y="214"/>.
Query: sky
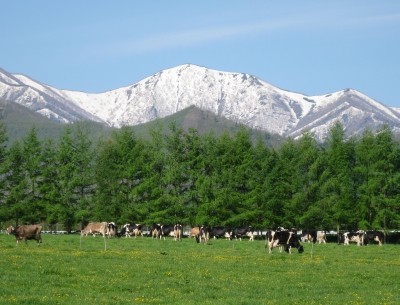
<point x="311" y="47"/>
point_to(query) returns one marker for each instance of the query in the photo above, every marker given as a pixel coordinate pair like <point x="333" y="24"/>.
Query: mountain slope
<point x="239" y="97"/>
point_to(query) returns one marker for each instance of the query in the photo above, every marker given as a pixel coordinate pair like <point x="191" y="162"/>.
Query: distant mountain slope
<point x="238" y="97"/>
<point x="19" y="120"/>
<point x="205" y="122"/>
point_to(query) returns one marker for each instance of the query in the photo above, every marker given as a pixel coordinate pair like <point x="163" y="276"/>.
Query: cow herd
<point x="284" y="239"/>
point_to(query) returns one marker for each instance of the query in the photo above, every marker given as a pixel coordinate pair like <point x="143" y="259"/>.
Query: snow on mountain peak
<point x="240" y="97"/>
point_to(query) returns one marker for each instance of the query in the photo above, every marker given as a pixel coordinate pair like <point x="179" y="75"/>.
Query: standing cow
<point x="218" y="232"/>
<point x="195" y="232"/>
<point x="372" y="235"/>
<point x="321" y="237"/>
<point x="283" y="238"/>
<point x="356" y="237"/>
<point x="95" y="227"/>
<point x="156" y="230"/>
<point x="309" y="236"/>
<point x="25" y="232"/>
<point x="238" y="233"/>
<point x="128" y="230"/>
<point x="111" y="229"/>
<point x="178" y="232"/>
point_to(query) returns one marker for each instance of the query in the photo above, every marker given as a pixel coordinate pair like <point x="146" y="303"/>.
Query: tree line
<point x="183" y="177"/>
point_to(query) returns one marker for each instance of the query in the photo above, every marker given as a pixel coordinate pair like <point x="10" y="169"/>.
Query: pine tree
<point x="16" y="185"/>
<point x="338" y="187"/>
<point x="4" y="214"/>
<point x="32" y="151"/>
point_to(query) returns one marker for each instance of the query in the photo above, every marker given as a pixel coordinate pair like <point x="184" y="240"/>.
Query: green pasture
<point x="64" y="270"/>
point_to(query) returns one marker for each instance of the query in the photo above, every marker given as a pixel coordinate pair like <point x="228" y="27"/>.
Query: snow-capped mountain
<point x="236" y="96"/>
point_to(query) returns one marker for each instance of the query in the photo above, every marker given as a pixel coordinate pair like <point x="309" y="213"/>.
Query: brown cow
<point x="194" y="232"/>
<point x="25" y="232"/>
<point x="95" y="227"/>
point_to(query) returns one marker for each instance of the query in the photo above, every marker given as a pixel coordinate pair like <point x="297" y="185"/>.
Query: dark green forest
<point x="191" y="178"/>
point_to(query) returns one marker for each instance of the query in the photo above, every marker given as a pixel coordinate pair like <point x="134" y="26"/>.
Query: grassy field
<point x="146" y="271"/>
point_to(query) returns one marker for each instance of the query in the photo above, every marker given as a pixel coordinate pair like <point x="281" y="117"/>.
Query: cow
<point x="95" y="227"/>
<point x="199" y="233"/>
<point x="194" y="232"/>
<point x="283" y="238"/>
<point x="371" y="236"/>
<point x="309" y="236"/>
<point x="177" y="232"/>
<point x="321" y="237"/>
<point x="128" y="230"/>
<point x="25" y="232"/>
<point x="204" y="234"/>
<point x="166" y="230"/>
<point x="111" y="229"/>
<point x="219" y="231"/>
<point x="156" y="230"/>
<point x="238" y="233"/>
<point x="356" y="237"/>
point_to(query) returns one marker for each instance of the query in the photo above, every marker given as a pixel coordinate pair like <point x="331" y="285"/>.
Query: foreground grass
<point x="147" y="271"/>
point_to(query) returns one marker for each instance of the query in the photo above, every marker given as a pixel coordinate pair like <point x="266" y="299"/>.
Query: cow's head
<point x="300" y="248"/>
<point x="10" y="230"/>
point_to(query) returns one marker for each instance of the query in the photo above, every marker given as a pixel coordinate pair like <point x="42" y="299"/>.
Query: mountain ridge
<point x="239" y="97"/>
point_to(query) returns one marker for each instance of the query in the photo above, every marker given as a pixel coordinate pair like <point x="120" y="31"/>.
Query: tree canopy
<point x="183" y="176"/>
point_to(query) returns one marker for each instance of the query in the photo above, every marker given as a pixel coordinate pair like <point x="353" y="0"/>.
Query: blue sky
<point x="311" y="47"/>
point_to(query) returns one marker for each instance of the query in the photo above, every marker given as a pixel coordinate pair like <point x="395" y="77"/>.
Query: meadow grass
<point x="147" y="271"/>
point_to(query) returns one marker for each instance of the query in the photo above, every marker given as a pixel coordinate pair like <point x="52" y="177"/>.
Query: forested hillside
<point x="182" y="176"/>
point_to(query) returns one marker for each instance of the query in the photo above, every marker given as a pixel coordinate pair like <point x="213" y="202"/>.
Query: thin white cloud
<point x="199" y="36"/>
<point x="193" y="37"/>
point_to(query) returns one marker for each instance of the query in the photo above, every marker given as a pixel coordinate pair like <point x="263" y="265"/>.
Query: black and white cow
<point x="309" y="236"/>
<point x="132" y="229"/>
<point x="221" y="232"/>
<point x="156" y="230"/>
<point x="321" y="237"/>
<point x="111" y="229"/>
<point x="166" y="230"/>
<point x="178" y="232"/>
<point x="204" y="235"/>
<point x="283" y="238"/>
<point x="351" y="236"/>
<point x="372" y="235"/>
<point x="238" y="233"/>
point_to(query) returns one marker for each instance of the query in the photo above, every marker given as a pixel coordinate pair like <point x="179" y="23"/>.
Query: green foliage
<point x="179" y="175"/>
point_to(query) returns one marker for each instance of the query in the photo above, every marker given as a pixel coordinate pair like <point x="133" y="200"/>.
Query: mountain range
<point x="239" y="97"/>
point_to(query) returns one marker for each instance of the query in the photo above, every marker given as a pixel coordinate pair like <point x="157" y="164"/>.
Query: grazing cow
<point x="128" y="230"/>
<point x="321" y="237"/>
<point x="309" y="235"/>
<point x="218" y="232"/>
<point x="95" y="227"/>
<point x="177" y="232"/>
<point x="283" y="238"/>
<point x="25" y="232"/>
<point x="238" y="233"/>
<point x="371" y="236"/>
<point x="356" y="237"/>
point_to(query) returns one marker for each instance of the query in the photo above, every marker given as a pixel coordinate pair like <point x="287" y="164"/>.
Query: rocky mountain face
<point x="239" y="97"/>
